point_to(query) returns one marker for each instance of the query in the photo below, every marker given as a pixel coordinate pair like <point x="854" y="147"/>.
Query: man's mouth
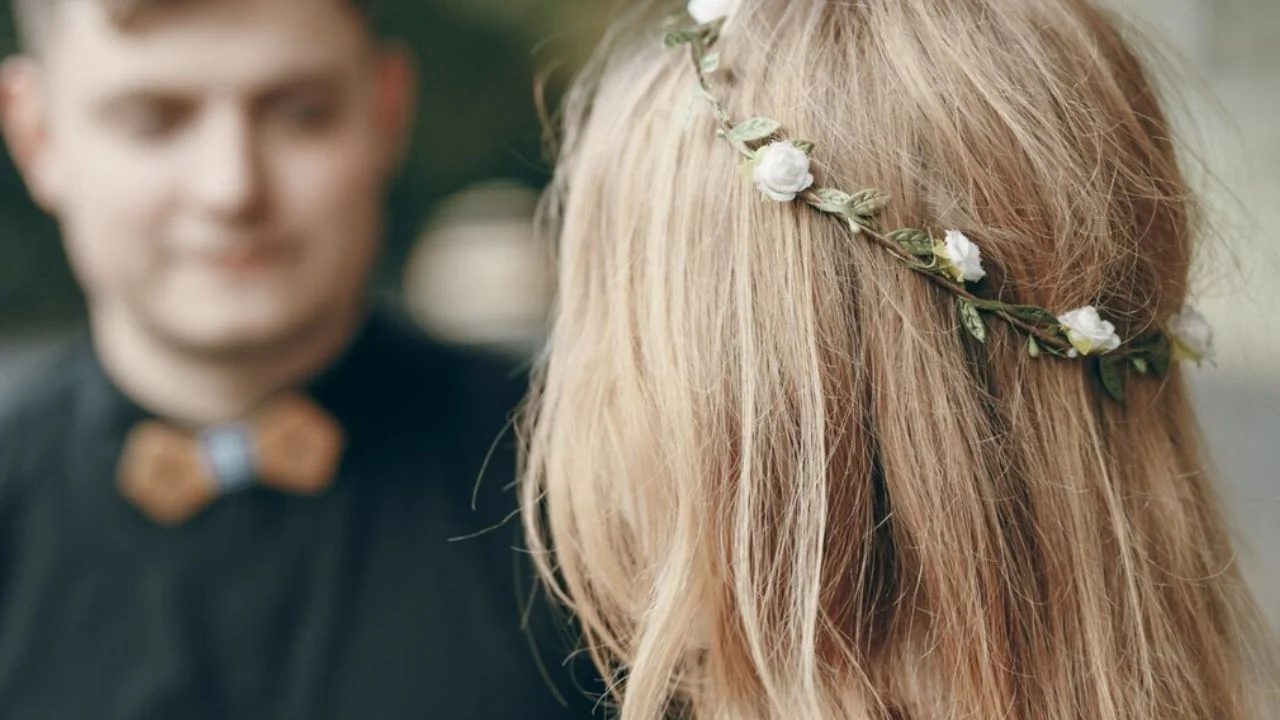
<point x="246" y="257"/>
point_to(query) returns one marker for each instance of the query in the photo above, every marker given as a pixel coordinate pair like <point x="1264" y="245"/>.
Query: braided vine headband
<point x="781" y="170"/>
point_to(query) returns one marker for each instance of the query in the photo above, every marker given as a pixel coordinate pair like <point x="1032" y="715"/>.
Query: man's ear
<point x="397" y="96"/>
<point x="23" y="113"/>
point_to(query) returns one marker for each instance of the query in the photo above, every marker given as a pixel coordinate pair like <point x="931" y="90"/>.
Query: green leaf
<point x="752" y="129"/>
<point x="1029" y="313"/>
<point x="992" y="305"/>
<point x="869" y="203"/>
<point x="1161" y="357"/>
<point x="1111" y="371"/>
<point x="916" y="242"/>
<point x="710" y="62"/>
<point x="1140" y="365"/>
<point x="972" y="321"/>
<point x="805" y="146"/>
<point x="1033" y="347"/>
<point x="858" y="223"/>
<point x="832" y="200"/>
<point x="676" y="38"/>
<point x="1033" y="314"/>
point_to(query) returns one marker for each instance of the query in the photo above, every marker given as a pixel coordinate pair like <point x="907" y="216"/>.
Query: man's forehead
<point x="124" y="12"/>
<point x="37" y="19"/>
<point x="120" y="12"/>
<point x="128" y="12"/>
<point x="208" y="41"/>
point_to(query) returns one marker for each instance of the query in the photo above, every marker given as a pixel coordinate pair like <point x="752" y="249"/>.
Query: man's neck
<point x="195" y="388"/>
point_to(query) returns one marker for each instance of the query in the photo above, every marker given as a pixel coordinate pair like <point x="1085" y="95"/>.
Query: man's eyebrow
<point x="121" y="100"/>
<point x="319" y="80"/>
<point x="323" y="81"/>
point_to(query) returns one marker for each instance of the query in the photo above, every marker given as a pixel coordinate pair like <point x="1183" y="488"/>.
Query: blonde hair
<point x="765" y="468"/>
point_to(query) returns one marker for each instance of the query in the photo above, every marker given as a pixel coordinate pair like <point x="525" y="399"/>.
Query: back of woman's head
<point x="780" y="481"/>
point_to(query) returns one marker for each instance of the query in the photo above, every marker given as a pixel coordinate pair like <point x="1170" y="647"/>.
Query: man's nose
<point x="226" y="178"/>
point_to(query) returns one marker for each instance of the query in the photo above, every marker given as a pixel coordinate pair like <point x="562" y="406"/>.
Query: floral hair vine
<point x="781" y="170"/>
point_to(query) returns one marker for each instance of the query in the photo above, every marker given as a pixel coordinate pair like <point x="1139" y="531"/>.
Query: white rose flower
<point x="1193" y="337"/>
<point x="1088" y="332"/>
<point x="963" y="259"/>
<point x="782" y="171"/>
<point x="707" y="11"/>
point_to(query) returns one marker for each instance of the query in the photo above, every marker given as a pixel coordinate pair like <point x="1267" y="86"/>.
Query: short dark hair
<point x="32" y="17"/>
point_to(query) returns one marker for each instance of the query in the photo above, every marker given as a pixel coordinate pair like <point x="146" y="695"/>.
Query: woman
<point x="893" y="426"/>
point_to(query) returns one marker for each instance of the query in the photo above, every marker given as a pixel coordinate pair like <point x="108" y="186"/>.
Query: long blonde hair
<point x="763" y="465"/>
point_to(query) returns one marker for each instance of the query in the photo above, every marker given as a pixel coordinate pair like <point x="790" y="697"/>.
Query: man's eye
<point x="150" y="121"/>
<point x="310" y="114"/>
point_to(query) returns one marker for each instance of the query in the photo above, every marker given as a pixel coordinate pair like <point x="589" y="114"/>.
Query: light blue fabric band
<point x="228" y="452"/>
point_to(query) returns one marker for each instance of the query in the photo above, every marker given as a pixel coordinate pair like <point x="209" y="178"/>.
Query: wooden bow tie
<point x="291" y="445"/>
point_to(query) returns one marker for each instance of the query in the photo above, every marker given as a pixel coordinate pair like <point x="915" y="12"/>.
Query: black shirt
<point x="364" y="602"/>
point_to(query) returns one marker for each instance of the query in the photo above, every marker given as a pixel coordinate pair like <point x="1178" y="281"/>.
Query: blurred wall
<point x="1224" y="87"/>
<point x="1222" y="77"/>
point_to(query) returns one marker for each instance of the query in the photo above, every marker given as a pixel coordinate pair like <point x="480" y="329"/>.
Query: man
<point x="245" y="495"/>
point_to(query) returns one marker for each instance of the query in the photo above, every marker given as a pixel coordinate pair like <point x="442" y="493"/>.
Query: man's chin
<point x="233" y="337"/>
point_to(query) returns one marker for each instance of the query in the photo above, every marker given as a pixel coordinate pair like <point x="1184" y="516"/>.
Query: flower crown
<point x="781" y="171"/>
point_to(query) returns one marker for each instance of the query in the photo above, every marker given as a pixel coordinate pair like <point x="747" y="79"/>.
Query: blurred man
<point x="237" y="497"/>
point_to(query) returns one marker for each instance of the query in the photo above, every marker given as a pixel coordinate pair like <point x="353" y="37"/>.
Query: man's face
<point x="218" y="168"/>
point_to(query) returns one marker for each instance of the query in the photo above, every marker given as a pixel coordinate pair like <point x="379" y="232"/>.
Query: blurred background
<point x="463" y="259"/>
